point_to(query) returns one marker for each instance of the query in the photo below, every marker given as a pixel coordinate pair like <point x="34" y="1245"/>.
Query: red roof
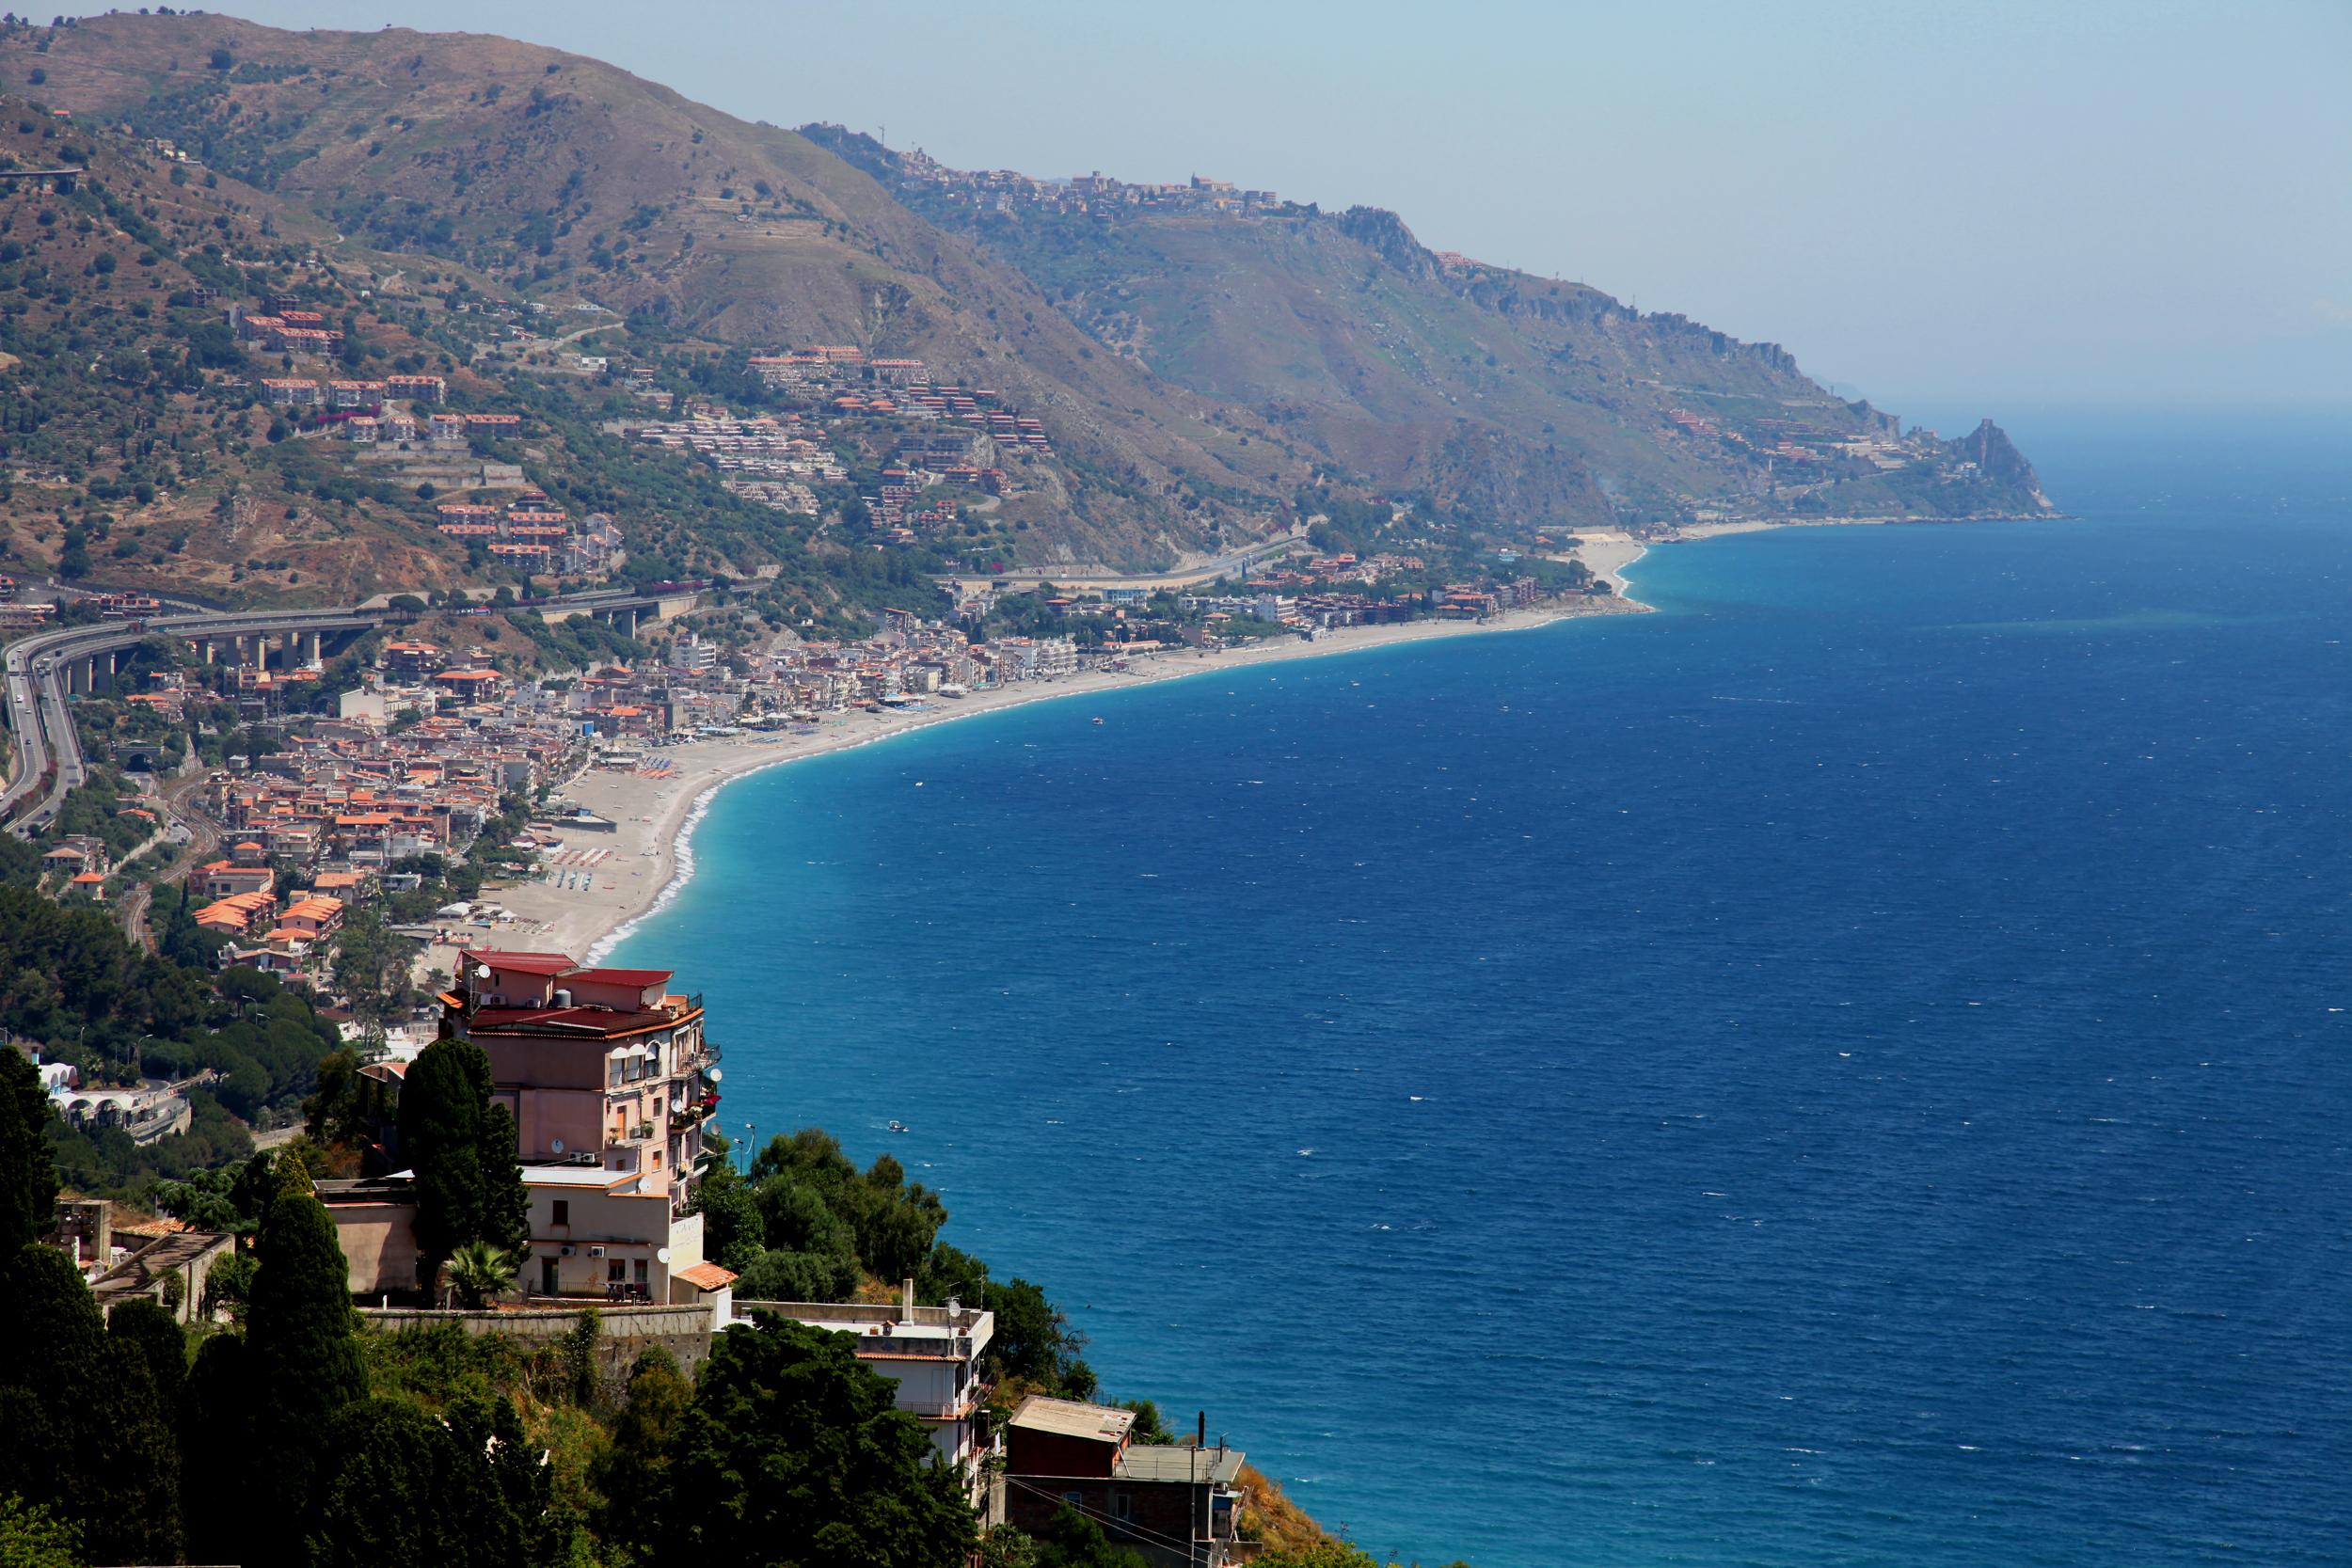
<point x="525" y="963"/>
<point x="706" y="1277"/>
<point x="622" y="977"/>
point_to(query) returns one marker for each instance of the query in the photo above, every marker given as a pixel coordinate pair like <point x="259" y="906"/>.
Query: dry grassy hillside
<point x="563" y="177"/>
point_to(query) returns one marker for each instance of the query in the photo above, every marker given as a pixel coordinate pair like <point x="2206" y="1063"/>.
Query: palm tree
<point x="480" y="1274"/>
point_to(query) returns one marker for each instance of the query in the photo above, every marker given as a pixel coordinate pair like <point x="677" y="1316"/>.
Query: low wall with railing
<point x="622" y="1333"/>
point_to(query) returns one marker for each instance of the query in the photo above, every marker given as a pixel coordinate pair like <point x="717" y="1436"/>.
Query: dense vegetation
<point x="292" y="1435"/>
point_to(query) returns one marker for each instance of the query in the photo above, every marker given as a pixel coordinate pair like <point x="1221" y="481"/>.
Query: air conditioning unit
<point x="595" y="1252"/>
<point x="567" y="1252"/>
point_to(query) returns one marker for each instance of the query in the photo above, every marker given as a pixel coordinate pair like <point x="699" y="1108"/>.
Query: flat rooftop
<point x="1100" y="1423"/>
<point x="577" y="1176"/>
<point x="1166" y="1462"/>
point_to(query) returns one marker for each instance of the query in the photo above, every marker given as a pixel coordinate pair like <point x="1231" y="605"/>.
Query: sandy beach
<point x="627" y="871"/>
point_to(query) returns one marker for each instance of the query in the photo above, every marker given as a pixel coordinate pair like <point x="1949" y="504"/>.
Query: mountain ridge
<point x="1205" y="372"/>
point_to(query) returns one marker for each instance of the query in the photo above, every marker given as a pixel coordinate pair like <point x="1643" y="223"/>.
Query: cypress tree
<point x="216" y="1446"/>
<point x="86" y="1431"/>
<point x="506" y="1202"/>
<point x="52" y="1372"/>
<point x="378" y="1498"/>
<point x="303" y="1352"/>
<point x="129" y="1486"/>
<point x="444" y="1096"/>
<point x="462" y="1147"/>
<point x="28" y="1172"/>
<point x="462" y="1490"/>
<point x="148" y="1328"/>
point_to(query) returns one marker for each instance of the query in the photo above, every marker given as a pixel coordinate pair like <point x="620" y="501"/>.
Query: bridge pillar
<point x="112" y="669"/>
<point x="315" y="658"/>
<point x="204" y="651"/>
<point x="240" y="646"/>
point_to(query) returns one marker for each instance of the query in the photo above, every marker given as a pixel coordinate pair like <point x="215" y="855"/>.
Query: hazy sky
<point x="2055" y="200"/>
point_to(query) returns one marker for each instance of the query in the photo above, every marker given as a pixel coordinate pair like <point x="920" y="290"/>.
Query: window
<point x="1122" y="1505"/>
<point x="562" y="1211"/>
<point x="640" y="1271"/>
<point x="615" y="1270"/>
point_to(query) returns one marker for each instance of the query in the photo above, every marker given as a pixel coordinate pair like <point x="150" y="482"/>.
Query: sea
<point x="1854" y="1067"/>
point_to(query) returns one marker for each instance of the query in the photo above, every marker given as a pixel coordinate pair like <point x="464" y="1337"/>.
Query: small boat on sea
<point x="897" y="1126"/>
<point x="1098" y="720"/>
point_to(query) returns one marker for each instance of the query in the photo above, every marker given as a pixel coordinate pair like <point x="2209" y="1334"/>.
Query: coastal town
<point x="423" y="838"/>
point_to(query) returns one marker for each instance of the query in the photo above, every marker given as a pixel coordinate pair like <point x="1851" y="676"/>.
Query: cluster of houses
<point x="246" y="908"/>
<point x="74" y="869"/>
<point x="840" y="380"/>
<point x="1806" y="445"/>
<point x="283" y="326"/>
<point x="776" y="460"/>
<point x="1004" y="190"/>
<point x="150" y="1260"/>
<point x="765" y="459"/>
<point x="336" y="811"/>
<point x="534" y="533"/>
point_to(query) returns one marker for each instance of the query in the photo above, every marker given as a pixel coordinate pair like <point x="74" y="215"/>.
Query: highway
<point x="1096" y="578"/>
<point x="49" y="754"/>
<point x="48" y="760"/>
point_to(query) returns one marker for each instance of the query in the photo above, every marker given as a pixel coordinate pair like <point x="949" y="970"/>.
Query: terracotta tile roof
<point x="706" y="1277"/>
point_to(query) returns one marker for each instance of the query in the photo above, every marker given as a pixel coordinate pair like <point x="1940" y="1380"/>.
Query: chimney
<point x="1200" y="1434"/>
<point x="906" y="1300"/>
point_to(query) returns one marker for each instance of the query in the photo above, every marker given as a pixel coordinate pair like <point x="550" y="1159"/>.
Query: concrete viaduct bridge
<point x="46" y="668"/>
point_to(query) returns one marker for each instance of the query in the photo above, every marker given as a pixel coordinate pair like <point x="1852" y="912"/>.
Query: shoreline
<point x="637" y="869"/>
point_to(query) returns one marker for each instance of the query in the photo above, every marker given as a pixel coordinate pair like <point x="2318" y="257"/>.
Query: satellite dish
<point x="662" y="1255"/>
<point x="556" y="1144"/>
<point x="712" y="1075"/>
<point x="481" y="972"/>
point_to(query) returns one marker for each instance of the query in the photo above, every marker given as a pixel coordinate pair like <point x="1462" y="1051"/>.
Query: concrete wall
<point x="379" y="1242"/>
<point x="624" y="1332"/>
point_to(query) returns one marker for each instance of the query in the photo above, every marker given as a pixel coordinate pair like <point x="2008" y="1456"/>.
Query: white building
<point x="931" y="1353"/>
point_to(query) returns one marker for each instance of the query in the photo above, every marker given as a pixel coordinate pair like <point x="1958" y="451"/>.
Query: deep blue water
<point x="1851" y="1070"/>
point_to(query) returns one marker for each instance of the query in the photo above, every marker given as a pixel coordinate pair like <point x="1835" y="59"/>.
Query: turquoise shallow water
<point x="1851" y="1069"/>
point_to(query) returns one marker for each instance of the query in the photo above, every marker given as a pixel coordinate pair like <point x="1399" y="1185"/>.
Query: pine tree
<point x="842" y="1473"/>
<point x="28" y="1172"/>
